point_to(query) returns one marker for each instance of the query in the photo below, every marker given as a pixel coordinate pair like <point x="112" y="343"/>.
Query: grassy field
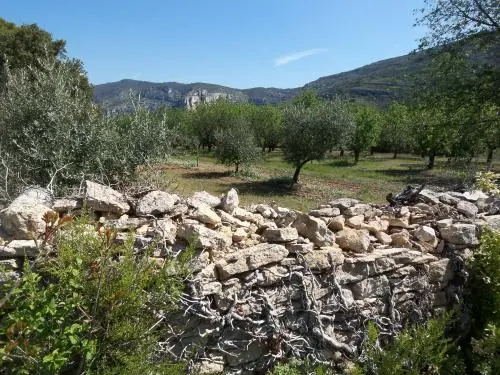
<point x="269" y="181"/>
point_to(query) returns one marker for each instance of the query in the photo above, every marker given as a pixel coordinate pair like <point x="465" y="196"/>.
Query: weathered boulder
<point x="353" y="240"/>
<point x="493" y="221"/>
<point x="357" y="209"/>
<point x="441" y="272"/>
<point x="325" y="212"/>
<point x="287" y="234"/>
<point x="401" y="239"/>
<point x="266" y="211"/>
<point x="105" y="199"/>
<point x="372" y="287"/>
<point x="356" y="221"/>
<point x="426" y="234"/>
<point x="205" y="214"/>
<point x="460" y="234"/>
<point x="323" y="259"/>
<point x="249" y="259"/>
<point x="315" y="229"/>
<point x="336" y="223"/>
<point x="428" y="196"/>
<point x="206" y="198"/>
<point x="474" y="195"/>
<point x="467" y="208"/>
<point x="203" y="237"/>
<point x="343" y="203"/>
<point x="156" y="203"/>
<point x="66" y="205"/>
<point x="19" y="248"/>
<point x="23" y="218"/>
<point x="230" y="201"/>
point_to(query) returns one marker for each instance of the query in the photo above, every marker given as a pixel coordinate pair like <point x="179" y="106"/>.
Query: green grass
<point x="270" y="180"/>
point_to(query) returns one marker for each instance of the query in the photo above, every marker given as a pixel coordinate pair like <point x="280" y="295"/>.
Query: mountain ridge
<point x="377" y="83"/>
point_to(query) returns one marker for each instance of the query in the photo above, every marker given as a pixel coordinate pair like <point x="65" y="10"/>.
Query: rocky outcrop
<point x="195" y="97"/>
<point x="269" y="282"/>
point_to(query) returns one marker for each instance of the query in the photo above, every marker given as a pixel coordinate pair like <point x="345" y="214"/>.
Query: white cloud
<point x="282" y="60"/>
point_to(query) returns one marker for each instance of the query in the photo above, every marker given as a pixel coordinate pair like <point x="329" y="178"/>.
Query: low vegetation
<point x="88" y="305"/>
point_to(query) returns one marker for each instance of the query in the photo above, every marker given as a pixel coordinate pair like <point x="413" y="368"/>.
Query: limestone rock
<point x="166" y="230"/>
<point x="353" y="240"/>
<point x="209" y="366"/>
<point x="300" y="248"/>
<point x="401" y="239"/>
<point x="493" y="221"/>
<point x="156" y="203"/>
<point x="267" y="211"/>
<point x="467" y="208"/>
<point x="66" y="205"/>
<point x="19" y="248"/>
<point x="440" y="272"/>
<point x="323" y="259"/>
<point x="325" y="212"/>
<point x="358" y="209"/>
<point x="460" y="234"/>
<point x="287" y="234"/>
<point x="205" y="214"/>
<point x="23" y="218"/>
<point x="428" y="196"/>
<point x="356" y="221"/>
<point x="474" y="195"/>
<point x="105" y="199"/>
<point x="383" y="238"/>
<point x="230" y="201"/>
<point x="336" y="223"/>
<point x="207" y="198"/>
<point x="239" y="235"/>
<point x="249" y="259"/>
<point x="343" y="203"/>
<point x="448" y="199"/>
<point x="426" y="234"/>
<point x="372" y="287"/>
<point x="315" y="229"/>
<point x="203" y="237"/>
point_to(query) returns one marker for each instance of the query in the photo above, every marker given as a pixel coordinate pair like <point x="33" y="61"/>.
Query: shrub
<point x="482" y="344"/>
<point x="93" y="308"/>
<point x="51" y="133"/>
<point x="416" y="350"/>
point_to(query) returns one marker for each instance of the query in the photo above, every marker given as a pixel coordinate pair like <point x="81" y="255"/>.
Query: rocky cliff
<point x="269" y="282"/>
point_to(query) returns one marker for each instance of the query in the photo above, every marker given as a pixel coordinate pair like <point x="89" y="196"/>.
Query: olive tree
<point x="309" y="132"/>
<point x="236" y="145"/>
<point x="366" y="130"/>
<point x="396" y="128"/>
<point x="267" y="124"/>
<point x="51" y="133"/>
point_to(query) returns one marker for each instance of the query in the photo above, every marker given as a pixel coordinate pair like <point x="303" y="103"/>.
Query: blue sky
<point x="280" y="43"/>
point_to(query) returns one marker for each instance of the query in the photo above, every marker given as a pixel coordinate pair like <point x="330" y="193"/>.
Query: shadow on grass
<point x="272" y="186"/>
<point x="421" y="176"/>
<point x="206" y="175"/>
<point x="342" y="163"/>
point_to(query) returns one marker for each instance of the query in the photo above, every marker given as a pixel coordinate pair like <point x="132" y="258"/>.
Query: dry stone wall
<point x="269" y="282"/>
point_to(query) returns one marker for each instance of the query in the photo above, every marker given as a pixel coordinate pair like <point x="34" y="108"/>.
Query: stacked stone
<point x="270" y="282"/>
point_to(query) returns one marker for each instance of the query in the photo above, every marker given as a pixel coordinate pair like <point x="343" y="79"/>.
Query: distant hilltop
<point x="378" y="83"/>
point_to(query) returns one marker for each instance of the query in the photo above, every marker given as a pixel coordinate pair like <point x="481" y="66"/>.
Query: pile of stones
<point x="268" y="282"/>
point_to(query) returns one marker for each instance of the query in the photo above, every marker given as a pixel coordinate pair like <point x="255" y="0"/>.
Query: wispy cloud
<point x="282" y="60"/>
<point x="137" y="75"/>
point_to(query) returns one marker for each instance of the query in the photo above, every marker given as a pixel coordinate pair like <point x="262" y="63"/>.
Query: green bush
<point x="482" y="344"/>
<point x="297" y="367"/>
<point x="51" y="132"/>
<point x="416" y="350"/>
<point x="92" y="308"/>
